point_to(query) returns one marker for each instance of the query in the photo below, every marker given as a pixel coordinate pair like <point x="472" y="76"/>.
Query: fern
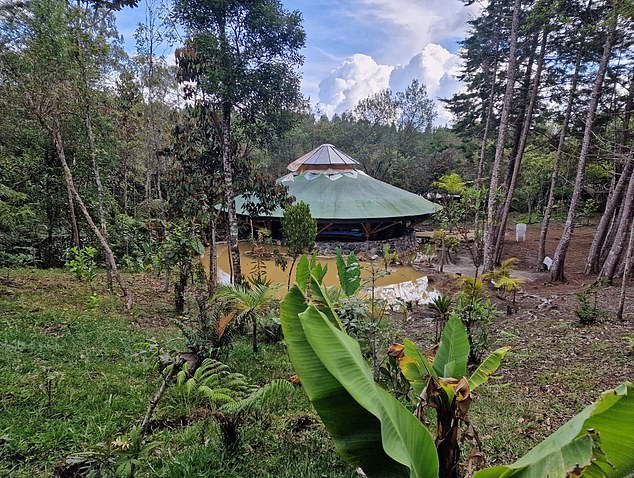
<point x="265" y="398"/>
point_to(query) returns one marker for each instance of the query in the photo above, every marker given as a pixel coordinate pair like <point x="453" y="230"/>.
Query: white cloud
<point x="360" y="76"/>
<point x="412" y="24"/>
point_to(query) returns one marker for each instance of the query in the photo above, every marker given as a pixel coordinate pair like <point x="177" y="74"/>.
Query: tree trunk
<point x="626" y="273"/>
<point x="614" y="256"/>
<point x="179" y="292"/>
<point x="489" y="113"/>
<point x="499" y="245"/>
<point x="254" y="321"/>
<point x="447" y="442"/>
<point x="159" y="394"/>
<point x="70" y="185"/>
<point x="230" y="199"/>
<point x="100" y="194"/>
<point x="557" y="269"/>
<point x="615" y="197"/>
<point x="72" y="216"/>
<point x="541" y="254"/>
<point x="492" y="208"/>
<point x="213" y="259"/>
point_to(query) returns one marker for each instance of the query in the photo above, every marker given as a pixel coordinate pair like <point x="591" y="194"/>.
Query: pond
<point x="397" y="274"/>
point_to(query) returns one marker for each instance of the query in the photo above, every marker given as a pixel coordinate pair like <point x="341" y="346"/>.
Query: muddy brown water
<point x="276" y="275"/>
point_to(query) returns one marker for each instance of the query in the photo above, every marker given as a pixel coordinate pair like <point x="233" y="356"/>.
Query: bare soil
<point x="556" y="366"/>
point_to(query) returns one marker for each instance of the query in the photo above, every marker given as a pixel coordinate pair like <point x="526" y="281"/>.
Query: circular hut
<point x="353" y="210"/>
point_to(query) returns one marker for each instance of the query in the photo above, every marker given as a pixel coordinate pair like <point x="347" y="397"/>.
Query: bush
<point x="80" y="261"/>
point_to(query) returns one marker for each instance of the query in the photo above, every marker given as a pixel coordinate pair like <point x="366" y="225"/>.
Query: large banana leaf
<point x="415" y="367"/>
<point x="453" y="351"/>
<point x="487" y="368"/>
<point x="370" y="428"/>
<point x="349" y="273"/>
<point x="598" y="442"/>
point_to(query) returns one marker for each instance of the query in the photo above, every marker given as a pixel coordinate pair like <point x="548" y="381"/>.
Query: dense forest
<point x="128" y="164"/>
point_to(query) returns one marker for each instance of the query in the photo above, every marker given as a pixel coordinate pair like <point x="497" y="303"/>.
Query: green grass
<point x="73" y="375"/>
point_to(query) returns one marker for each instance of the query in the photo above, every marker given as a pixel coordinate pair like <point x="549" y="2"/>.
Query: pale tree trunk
<point x="489" y="114"/>
<point x="492" y="207"/>
<point x="557" y="269"/>
<point x="607" y="220"/>
<point x="68" y="177"/>
<point x="614" y="256"/>
<point x="100" y="193"/>
<point x="528" y="119"/>
<point x="541" y="254"/>
<point x="227" y="165"/>
<point x="543" y="234"/>
<point x="626" y="273"/>
<point x="73" y="217"/>
<point x="614" y="200"/>
<point x="522" y="100"/>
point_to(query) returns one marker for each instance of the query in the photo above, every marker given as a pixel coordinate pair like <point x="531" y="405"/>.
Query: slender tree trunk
<point x="528" y="119"/>
<point x="100" y="193"/>
<point x="227" y="164"/>
<point x="489" y="114"/>
<point x="557" y="269"/>
<point x="70" y="185"/>
<point x="492" y="208"/>
<point x="626" y="273"/>
<point x="159" y="394"/>
<point x="614" y="200"/>
<point x="72" y="216"/>
<point x="609" y="266"/>
<point x="615" y="197"/>
<point x="522" y="100"/>
<point x="541" y="254"/>
<point x="254" y="320"/>
<point x="213" y="259"/>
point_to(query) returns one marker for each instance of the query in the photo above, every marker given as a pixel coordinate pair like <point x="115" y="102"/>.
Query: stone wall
<point x="403" y="244"/>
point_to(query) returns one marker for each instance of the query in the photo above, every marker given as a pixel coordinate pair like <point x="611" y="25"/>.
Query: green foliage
<point x="177" y="252"/>
<point x="80" y="261"/>
<point x="208" y="333"/>
<point x="248" y="304"/>
<point x="371" y="428"/>
<point x="477" y="313"/>
<point x="349" y="273"/>
<point x="118" y="458"/>
<point x="450" y="184"/>
<point x="440" y="307"/>
<point x="299" y="228"/>
<point x="211" y="382"/>
<point x="389" y="257"/>
<point x="591" y="444"/>
<point x="587" y="310"/>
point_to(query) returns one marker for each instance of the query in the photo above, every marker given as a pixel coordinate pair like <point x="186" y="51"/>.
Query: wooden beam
<point x="327" y="226"/>
<point x="383" y="228"/>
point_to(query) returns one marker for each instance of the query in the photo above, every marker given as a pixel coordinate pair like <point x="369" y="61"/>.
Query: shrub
<point x="80" y="261"/>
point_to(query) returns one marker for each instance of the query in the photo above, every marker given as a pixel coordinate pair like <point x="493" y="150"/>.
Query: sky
<point x="355" y="48"/>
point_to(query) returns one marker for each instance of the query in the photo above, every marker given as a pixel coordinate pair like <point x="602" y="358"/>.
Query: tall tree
<point x="243" y="55"/>
<point x="492" y="207"/>
<point x="47" y="76"/>
<point x="557" y="268"/>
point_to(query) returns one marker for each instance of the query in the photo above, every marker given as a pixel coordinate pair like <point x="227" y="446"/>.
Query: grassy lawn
<point x="74" y="374"/>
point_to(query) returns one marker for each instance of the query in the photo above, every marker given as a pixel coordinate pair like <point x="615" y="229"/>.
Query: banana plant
<point x="442" y="384"/>
<point x="374" y="431"/>
<point x="370" y="428"/>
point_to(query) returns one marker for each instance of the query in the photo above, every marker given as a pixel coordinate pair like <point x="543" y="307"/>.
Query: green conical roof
<point x="344" y="193"/>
